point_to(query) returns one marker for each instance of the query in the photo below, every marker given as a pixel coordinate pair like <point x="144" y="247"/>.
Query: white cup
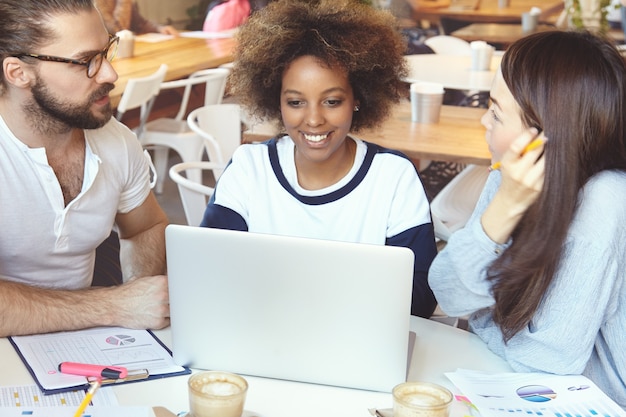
<point x="426" y="100"/>
<point x="481" y="55"/>
<point x="530" y="22"/>
<point x="504" y="3"/>
<point x="126" y="47"/>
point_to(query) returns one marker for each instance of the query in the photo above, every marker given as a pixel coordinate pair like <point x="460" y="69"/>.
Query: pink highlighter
<point x="98" y="371"/>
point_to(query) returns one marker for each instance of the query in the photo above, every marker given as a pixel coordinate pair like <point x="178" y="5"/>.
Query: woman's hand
<point x="522" y="181"/>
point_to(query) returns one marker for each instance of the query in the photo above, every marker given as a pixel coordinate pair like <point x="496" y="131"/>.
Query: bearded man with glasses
<point x="69" y="174"/>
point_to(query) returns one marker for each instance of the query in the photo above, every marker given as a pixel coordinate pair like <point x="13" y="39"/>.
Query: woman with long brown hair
<point x="540" y="267"/>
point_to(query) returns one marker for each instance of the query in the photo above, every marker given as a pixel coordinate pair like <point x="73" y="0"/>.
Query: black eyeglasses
<point x="93" y="64"/>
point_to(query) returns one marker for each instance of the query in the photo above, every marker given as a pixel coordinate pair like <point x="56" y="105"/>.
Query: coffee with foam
<point x="216" y="394"/>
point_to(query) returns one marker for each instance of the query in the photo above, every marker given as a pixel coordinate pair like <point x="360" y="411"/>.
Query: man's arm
<point x="141" y="302"/>
<point x="137" y="304"/>
<point x="142" y="239"/>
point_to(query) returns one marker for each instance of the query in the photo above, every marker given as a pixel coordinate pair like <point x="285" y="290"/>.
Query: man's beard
<point x="48" y="113"/>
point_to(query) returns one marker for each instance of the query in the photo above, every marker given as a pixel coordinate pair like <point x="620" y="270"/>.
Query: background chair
<point x="140" y="93"/>
<point x="450" y="45"/>
<point x="194" y="195"/>
<point x="220" y="127"/>
<point x="167" y="133"/>
<point x="454" y="204"/>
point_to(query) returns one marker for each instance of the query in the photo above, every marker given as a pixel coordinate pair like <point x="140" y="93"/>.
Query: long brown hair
<point x="571" y="85"/>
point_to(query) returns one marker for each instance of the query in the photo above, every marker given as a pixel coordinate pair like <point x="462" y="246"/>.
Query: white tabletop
<point x="438" y="348"/>
<point x="452" y="71"/>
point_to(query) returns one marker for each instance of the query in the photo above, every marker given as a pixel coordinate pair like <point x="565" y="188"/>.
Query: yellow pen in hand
<point x="90" y="393"/>
<point x="532" y="145"/>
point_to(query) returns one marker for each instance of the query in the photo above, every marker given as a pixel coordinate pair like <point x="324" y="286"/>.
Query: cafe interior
<point x="439" y="35"/>
<point x="174" y="92"/>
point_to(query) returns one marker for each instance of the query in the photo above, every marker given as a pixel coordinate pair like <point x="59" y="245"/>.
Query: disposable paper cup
<point x="530" y="21"/>
<point x="126" y="45"/>
<point x="482" y="53"/>
<point x="426" y="100"/>
<point x="421" y="399"/>
<point x="216" y="394"/>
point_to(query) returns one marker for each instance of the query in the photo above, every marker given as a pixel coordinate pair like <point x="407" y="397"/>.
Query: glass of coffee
<point x="216" y="394"/>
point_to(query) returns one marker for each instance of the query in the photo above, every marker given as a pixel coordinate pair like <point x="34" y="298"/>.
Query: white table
<point x="438" y="348"/>
<point x="452" y="71"/>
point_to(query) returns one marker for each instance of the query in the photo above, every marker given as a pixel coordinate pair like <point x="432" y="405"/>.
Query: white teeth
<point x="315" y="138"/>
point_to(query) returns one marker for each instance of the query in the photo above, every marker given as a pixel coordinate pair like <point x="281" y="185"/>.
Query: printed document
<point x="116" y="346"/>
<point x="534" y="394"/>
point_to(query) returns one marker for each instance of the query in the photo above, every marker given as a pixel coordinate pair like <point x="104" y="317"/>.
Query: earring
<point x="356" y="108"/>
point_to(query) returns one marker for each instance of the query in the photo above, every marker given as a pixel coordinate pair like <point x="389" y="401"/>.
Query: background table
<point x="438" y="348"/>
<point x="458" y="137"/>
<point x="488" y="11"/>
<point x="502" y="34"/>
<point x="183" y="56"/>
<point x="453" y="71"/>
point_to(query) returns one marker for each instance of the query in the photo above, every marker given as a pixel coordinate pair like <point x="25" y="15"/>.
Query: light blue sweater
<point x="580" y="326"/>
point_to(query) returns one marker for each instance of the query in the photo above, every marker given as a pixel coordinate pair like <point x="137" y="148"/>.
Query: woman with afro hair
<point x="325" y="70"/>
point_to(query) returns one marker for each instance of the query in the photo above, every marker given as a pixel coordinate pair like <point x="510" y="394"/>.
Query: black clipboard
<point x="18" y="344"/>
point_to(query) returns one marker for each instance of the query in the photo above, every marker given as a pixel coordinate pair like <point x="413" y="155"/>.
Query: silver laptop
<point x="299" y="309"/>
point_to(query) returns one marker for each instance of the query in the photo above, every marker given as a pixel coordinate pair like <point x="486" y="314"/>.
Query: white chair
<point x="166" y="133"/>
<point x="141" y="92"/>
<point x="194" y="195"/>
<point x="449" y="45"/>
<point x="227" y="65"/>
<point x="454" y="204"/>
<point x="220" y="127"/>
<point x="255" y="128"/>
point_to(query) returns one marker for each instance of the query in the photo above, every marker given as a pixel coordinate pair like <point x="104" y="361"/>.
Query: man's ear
<point x="17" y="72"/>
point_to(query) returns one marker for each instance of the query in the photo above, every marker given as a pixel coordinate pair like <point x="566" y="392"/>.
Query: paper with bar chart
<point x="534" y="394"/>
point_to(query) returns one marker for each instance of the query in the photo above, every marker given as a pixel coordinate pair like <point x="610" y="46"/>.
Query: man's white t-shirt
<point x="46" y="243"/>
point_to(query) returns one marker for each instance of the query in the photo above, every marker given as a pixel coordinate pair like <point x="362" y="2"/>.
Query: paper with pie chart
<point x="534" y="395"/>
<point x="132" y="349"/>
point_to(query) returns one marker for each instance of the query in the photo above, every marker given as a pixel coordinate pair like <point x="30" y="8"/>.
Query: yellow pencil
<point x="90" y="393"/>
<point x="532" y="145"/>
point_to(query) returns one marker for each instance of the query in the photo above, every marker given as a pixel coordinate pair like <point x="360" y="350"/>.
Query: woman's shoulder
<point x="606" y="188"/>
<point x="608" y="177"/>
<point x="256" y="154"/>
<point x="602" y="204"/>
<point x="254" y="149"/>
<point x="389" y="156"/>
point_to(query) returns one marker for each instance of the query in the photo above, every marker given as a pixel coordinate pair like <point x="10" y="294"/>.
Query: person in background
<point x="121" y="15"/>
<point x="229" y="14"/>
<point x="325" y="69"/>
<point x="540" y="265"/>
<point x="70" y="173"/>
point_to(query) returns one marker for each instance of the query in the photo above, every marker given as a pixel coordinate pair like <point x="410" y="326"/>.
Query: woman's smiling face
<point x="316" y="104"/>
